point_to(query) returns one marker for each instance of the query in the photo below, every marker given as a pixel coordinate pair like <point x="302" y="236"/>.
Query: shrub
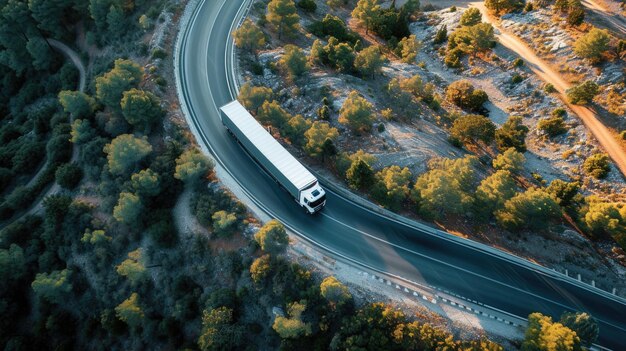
<point x="463" y="94"/>
<point x="471" y="17"/>
<point x="552" y="126"/>
<point x="441" y="35"/>
<point x="472" y="128"/>
<point x="516" y="79"/>
<point x="593" y="45"/>
<point x="597" y="166"/>
<point x="307" y="5"/>
<point x="518" y="62"/>
<point x="549" y="88"/>
<point x="582" y="94"/>
<point x="69" y="175"/>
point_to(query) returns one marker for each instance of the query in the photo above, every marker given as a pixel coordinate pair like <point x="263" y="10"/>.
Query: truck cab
<point x="313" y="198"/>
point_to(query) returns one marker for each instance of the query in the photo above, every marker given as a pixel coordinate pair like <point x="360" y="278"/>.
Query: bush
<point x="582" y="94"/>
<point x="597" y="166"/>
<point x="471" y="17"/>
<point x="518" y="62"/>
<point x="549" y="88"/>
<point x="69" y="175"/>
<point x="576" y="16"/>
<point x="334" y="26"/>
<point x="593" y="45"/>
<point x="463" y="94"/>
<point x="441" y="35"/>
<point x="472" y="128"/>
<point x="307" y="5"/>
<point x="516" y="79"/>
<point x="552" y="126"/>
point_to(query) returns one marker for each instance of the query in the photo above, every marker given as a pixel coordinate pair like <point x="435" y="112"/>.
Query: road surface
<point x="352" y="232"/>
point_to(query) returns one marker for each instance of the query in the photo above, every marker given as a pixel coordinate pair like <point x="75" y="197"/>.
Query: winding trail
<point x="55" y="188"/>
<point x="588" y="115"/>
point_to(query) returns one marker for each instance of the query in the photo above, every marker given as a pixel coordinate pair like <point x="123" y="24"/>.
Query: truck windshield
<point x="317" y="202"/>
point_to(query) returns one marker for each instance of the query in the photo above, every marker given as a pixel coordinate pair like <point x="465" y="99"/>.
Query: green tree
<point x="53" y="286"/>
<point x="141" y="108"/>
<point x="446" y="187"/>
<point x="583" y="93"/>
<point x="360" y="175"/>
<point x="125" y="151"/>
<point x="134" y="267"/>
<point x="219" y="330"/>
<point x="223" y="223"/>
<point x="296" y="128"/>
<point x="192" y="166"/>
<point x="341" y="56"/>
<point x="408" y="48"/>
<point x="494" y="191"/>
<point x="463" y="94"/>
<point x="564" y="192"/>
<point x="472" y="40"/>
<point x="392" y="186"/>
<point x="294" y="61"/>
<point x="441" y="35"/>
<point x="471" y="17"/>
<point x="68" y="175"/>
<point x="317" y="135"/>
<point x="512" y="134"/>
<point x="576" y="16"/>
<point x="128" y="208"/>
<point x="332" y="290"/>
<point x="260" y="268"/>
<point x="116" y="22"/>
<point x="272" y="237"/>
<point x="76" y="103"/>
<point x="369" y="61"/>
<point x="366" y="12"/>
<point x="82" y="131"/>
<point x="110" y="86"/>
<point x="146" y="182"/>
<point x="253" y="97"/>
<point x="544" y="335"/>
<point x="249" y="37"/>
<point x="531" y="209"/>
<point x="356" y="112"/>
<point x="95" y="237"/>
<point x="292" y="327"/>
<point x="335" y="4"/>
<point x="130" y="312"/>
<point x="12" y="265"/>
<point x="503" y="6"/>
<point x="604" y="218"/>
<point x="597" y="166"/>
<point x="593" y="45"/>
<point x="510" y="160"/>
<point x="282" y="14"/>
<point x="272" y="113"/>
<point x="552" y="126"/>
<point x="41" y="56"/>
<point x="472" y="128"/>
<point x="584" y="325"/>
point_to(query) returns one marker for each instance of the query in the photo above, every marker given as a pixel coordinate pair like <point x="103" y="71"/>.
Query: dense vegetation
<point x="493" y="187"/>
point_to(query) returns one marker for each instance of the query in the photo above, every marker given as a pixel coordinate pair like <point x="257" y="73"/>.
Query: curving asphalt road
<point x="348" y="230"/>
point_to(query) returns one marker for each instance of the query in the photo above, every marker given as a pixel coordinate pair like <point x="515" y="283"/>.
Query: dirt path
<point x="55" y="188"/>
<point x="548" y="74"/>
<point x="73" y="56"/>
<point x="610" y="20"/>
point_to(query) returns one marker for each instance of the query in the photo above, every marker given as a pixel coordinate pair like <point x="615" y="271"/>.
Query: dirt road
<point x="548" y="74"/>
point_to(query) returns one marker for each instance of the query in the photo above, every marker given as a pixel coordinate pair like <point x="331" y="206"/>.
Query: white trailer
<point x="288" y="172"/>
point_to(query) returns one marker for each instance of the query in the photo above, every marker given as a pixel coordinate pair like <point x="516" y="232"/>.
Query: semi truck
<point x="279" y="164"/>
